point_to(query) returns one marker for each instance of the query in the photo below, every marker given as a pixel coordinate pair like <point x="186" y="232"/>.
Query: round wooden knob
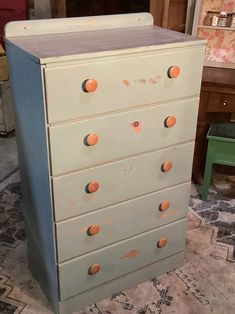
<point x="166" y="166"/>
<point x="94" y="269"/>
<point x="164" y="205"/>
<point x="91" y="139"/>
<point x="174" y="71"/>
<point x="93" y="230"/>
<point x="89" y="85"/>
<point x="162" y="242"/>
<point x="170" y="121"/>
<point x="92" y="187"/>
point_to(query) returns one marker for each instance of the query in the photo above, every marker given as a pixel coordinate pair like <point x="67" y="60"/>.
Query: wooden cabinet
<point x="170" y="14"/>
<point x="217" y="104"/>
<point x="105" y="130"/>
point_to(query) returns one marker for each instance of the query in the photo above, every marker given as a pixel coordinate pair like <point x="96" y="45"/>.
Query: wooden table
<point x="217" y="104"/>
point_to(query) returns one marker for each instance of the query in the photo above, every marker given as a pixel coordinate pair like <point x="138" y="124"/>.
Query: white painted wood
<point x="197" y="14"/>
<point x="114" y="259"/>
<point x="190" y="16"/>
<point x="81" y="300"/>
<point x="118" y="138"/>
<point x="143" y="209"/>
<point x="120" y="181"/>
<point x="77" y="24"/>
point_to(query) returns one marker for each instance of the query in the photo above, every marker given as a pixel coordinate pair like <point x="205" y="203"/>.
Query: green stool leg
<point x="207" y="178"/>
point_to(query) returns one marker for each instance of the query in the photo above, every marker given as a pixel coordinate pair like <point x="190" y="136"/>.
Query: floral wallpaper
<point x="221" y="43"/>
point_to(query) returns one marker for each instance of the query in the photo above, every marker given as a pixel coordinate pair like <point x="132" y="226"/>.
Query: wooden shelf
<point x="217" y="27"/>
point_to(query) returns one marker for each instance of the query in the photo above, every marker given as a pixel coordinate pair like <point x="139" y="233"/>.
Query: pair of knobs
<point x="90" y="85"/>
<point x="93" y="138"/>
<point x="95" y="268"/>
<point x="95" y="229"/>
<point x="94" y="186"/>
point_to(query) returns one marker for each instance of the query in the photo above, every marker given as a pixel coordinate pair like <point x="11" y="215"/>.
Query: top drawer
<point x="121" y="83"/>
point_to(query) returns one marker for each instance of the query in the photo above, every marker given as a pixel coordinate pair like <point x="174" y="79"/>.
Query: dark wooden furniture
<point x="169" y="14"/>
<point x="217" y="104"/>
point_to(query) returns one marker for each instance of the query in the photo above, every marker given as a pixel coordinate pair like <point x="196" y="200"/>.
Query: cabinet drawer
<point x="121" y="83"/>
<point x="121" y="258"/>
<point x="121" y="135"/>
<point x="221" y="102"/>
<point x="111" y="224"/>
<point x="120" y="181"/>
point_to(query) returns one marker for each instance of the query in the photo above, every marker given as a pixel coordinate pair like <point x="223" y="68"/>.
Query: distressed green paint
<point x="114" y="260"/>
<point x="117" y="136"/>
<point x="49" y="60"/>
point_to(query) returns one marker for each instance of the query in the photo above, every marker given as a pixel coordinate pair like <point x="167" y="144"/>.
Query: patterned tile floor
<point x="219" y="209"/>
<point x="204" y="284"/>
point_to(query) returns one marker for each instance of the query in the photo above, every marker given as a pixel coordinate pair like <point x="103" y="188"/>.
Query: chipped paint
<point x="136" y="125"/>
<point x="126" y="83"/>
<point x="167" y="214"/>
<point x="90" y="22"/>
<point x="131" y="254"/>
<point x="72" y="203"/>
<point x="83" y="229"/>
<point x="108" y="222"/>
<point x="143" y="81"/>
<point x="152" y="81"/>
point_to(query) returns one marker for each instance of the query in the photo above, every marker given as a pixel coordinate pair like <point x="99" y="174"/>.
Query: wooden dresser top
<point x="105" y="34"/>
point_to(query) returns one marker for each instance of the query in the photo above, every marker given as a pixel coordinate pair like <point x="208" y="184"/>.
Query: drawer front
<point x="221" y="102"/>
<point x="121" y="83"/>
<point x="111" y="224"/>
<point x="119" y="259"/>
<point x="121" y="135"/>
<point x="120" y="181"/>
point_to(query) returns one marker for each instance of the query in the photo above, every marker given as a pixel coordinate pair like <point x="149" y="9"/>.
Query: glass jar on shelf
<point x="232" y="21"/>
<point x="214" y="18"/>
<point x="207" y="18"/>
<point x="222" y="19"/>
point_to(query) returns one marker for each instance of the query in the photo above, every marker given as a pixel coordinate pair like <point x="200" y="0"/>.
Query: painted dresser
<point x="106" y="110"/>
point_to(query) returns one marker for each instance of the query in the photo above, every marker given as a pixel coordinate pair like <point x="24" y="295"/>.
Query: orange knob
<point x="164" y="205"/>
<point x="170" y="121"/>
<point x="92" y="187"/>
<point x="94" y="269"/>
<point x="174" y="71"/>
<point x="89" y="85"/>
<point x="162" y="242"/>
<point x="91" y="139"/>
<point x="93" y="230"/>
<point x="166" y="166"/>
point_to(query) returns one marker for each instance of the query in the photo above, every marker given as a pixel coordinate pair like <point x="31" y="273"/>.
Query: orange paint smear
<point x="136" y="126"/>
<point x="131" y="254"/>
<point x="168" y="213"/>
<point x="90" y="22"/>
<point x="126" y="83"/>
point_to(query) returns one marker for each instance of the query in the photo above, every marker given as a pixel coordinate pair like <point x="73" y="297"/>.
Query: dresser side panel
<point x="28" y="100"/>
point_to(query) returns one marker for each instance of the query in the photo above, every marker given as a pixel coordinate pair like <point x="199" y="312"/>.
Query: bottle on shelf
<point x="207" y="18"/>
<point x="222" y="19"/>
<point x="214" y="18"/>
<point x="232" y="20"/>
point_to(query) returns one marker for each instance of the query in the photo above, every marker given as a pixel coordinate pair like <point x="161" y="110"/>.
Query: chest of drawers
<point x="106" y="111"/>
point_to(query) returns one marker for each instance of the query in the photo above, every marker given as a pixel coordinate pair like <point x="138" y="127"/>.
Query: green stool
<point x="221" y="150"/>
